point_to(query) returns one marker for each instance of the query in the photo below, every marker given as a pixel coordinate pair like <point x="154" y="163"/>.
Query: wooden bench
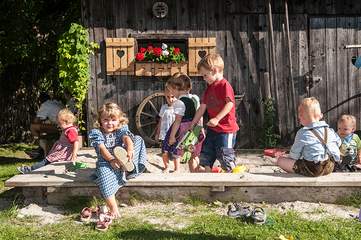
<point x="53" y="184"/>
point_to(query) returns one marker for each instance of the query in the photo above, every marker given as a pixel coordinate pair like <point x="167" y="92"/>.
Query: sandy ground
<point x="178" y="215"/>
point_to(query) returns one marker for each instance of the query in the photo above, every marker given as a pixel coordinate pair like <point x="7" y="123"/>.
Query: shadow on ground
<point x="160" y="234"/>
<point x="14" y="160"/>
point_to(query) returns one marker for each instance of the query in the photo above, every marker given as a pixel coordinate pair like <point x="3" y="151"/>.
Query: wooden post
<point x="273" y="58"/>
<point x="293" y="94"/>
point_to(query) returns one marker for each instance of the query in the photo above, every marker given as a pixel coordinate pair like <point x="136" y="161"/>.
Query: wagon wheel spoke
<point x="154" y="108"/>
<point x="153" y="133"/>
<point x="148" y="115"/>
<point x="147" y="124"/>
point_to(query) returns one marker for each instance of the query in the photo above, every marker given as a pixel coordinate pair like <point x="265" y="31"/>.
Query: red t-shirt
<point x="215" y="98"/>
<point x="71" y="134"/>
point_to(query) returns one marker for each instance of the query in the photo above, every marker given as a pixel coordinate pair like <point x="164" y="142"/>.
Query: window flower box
<point x="156" y="61"/>
<point x="159" y="69"/>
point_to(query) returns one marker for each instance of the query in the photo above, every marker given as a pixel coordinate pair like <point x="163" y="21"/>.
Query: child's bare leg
<point x="286" y="163"/>
<point x="193" y="164"/>
<point x="176" y="165"/>
<point x="165" y="161"/>
<point x="113" y="206"/>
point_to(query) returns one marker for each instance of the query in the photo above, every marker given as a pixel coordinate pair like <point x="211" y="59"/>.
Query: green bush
<point x="269" y="136"/>
<point x="73" y="62"/>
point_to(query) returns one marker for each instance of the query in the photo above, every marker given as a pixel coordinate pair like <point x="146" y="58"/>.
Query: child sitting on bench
<point x="66" y="148"/>
<point x="121" y="156"/>
<point x="351" y="144"/>
<point x="316" y="146"/>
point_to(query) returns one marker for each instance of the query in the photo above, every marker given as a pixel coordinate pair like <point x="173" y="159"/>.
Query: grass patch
<point x="210" y="226"/>
<point x="12" y="156"/>
<point x="352" y="200"/>
<point x="195" y="201"/>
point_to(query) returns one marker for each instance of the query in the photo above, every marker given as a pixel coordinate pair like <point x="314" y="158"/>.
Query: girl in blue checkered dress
<point x="112" y="132"/>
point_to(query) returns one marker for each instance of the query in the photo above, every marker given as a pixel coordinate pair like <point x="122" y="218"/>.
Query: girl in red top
<point x="66" y="148"/>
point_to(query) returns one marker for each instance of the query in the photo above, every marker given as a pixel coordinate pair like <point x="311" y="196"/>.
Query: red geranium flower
<point x="139" y="56"/>
<point x="176" y="51"/>
<point x="150" y="48"/>
<point x="142" y="50"/>
<point x="157" y="51"/>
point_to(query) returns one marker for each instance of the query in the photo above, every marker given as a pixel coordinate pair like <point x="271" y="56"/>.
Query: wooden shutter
<point x="120" y="56"/>
<point x="198" y="48"/>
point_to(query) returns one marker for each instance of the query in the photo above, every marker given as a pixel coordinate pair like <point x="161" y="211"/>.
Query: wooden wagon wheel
<point x="146" y="116"/>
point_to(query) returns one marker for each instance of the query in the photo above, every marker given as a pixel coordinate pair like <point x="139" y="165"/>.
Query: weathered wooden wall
<point x="319" y="30"/>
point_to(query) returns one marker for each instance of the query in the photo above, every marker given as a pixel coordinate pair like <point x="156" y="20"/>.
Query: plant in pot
<point x="169" y="58"/>
<point x="73" y="51"/>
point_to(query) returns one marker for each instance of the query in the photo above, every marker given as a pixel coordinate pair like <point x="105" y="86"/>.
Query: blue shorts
<point x="218" y="146"/>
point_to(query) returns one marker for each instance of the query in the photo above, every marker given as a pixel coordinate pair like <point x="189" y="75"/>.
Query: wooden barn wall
<point x="318" y="31"/>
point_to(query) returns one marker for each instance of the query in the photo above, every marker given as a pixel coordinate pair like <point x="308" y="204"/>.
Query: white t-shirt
<point x="49" y="110"/>
<point x="167" y="116"/>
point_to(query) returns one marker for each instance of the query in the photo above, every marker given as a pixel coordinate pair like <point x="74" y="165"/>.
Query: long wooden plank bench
<point x="53" y="184"/>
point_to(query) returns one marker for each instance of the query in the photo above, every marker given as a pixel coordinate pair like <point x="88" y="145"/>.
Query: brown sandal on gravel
<point x="105" y="219"/>
<point x="88" y="213"/>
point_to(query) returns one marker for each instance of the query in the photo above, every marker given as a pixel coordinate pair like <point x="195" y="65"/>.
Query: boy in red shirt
<point x="218" y="100"/>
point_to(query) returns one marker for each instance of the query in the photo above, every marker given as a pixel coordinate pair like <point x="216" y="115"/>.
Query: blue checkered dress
<point x="108" y="179"/>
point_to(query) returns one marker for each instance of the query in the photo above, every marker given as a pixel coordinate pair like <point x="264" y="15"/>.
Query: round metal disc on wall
<point x="160" y="9"/>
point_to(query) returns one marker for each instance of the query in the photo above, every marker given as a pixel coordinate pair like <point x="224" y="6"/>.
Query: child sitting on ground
<point x="351" y="144"/>
<point x="167" y="117"/>
<point x="121" y="156"/>
<point x="184" y="108"/>
<point x="66" y="148"/>
<point x="316" y="146"/>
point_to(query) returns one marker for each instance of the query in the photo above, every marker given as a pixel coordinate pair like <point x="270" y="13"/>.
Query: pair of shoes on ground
<point x="104" y="217"/>
<point x="121" y="155"/>
<point x="256" y="215"/>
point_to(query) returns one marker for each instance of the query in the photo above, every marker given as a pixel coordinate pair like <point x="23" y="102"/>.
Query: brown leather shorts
<point x="312" y="169"/>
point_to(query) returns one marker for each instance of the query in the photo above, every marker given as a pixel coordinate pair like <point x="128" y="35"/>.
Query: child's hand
<point x="130" y="154"/>
<point x="115" y="165"/>
<point x="171" y="140"/>
<point x="213" y="122"/>
<point x="73" y="158"/>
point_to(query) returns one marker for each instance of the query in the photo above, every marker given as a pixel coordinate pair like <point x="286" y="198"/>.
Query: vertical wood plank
<point x="253" y="78"/>
<point x="358" y="76"/>
<point x="352" y="76"/>
<point x="342" y="69"/>
<point x="237" y="47"/>
<point x="92" y="103"/>
<point x="331" y="70"/>
<point x="318" y="60"/>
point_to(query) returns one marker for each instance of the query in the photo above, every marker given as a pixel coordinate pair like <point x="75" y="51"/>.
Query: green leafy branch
<point x="73" y="62"/>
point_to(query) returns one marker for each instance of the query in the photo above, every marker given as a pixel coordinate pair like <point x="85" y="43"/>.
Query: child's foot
<point x="24" y="169"/>
<point x="165" y="170"/>
<point x="176" y="171"/>
<point x="121" y="155"/>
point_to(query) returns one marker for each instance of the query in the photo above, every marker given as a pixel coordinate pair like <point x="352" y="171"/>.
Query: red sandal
<point x="86" y="214"/>
<point x="105" y="219"/>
